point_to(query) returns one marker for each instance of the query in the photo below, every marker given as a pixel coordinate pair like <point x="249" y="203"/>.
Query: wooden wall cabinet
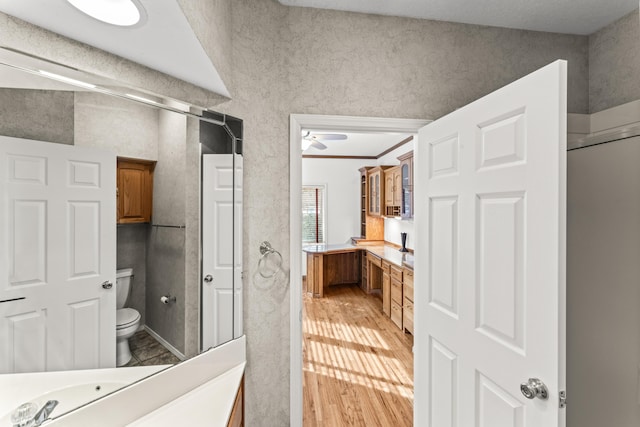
<point x="135" y="191"/>
<point x="406" y="185"/>
<point x="371" y="227"/>
<point x="375" y="190"/>
<point x="392" y="191"/>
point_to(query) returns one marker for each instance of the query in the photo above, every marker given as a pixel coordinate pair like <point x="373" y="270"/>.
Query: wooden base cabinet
<point x="237" y="413"/>
<point x="407" y="305"/>
<point x="386" y="293"/>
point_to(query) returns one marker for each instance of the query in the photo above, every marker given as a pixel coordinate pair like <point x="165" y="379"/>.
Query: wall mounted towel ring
<point x="270" y="261"/>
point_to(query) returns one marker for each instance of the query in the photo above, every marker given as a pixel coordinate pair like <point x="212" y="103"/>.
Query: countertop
<point x="210" y="404"/>
<point x="390" y="253"/>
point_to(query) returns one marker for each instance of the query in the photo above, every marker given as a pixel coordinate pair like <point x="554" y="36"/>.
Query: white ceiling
<point x="357" y="144"/>
<point x="559" y="16"/>
<point x="165" y="42"/>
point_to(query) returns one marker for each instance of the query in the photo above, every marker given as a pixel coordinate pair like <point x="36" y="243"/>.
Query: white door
<point x="490" y="260"/>
<point x="237" y="245"/>
<point x="217" y="249"/>
<point x="57" y="248"/>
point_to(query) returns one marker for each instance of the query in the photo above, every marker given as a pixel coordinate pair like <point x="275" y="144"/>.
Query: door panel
<point x="490" y="257"/>
<point x="217" y="249"/>
<point x="57" y="245"/>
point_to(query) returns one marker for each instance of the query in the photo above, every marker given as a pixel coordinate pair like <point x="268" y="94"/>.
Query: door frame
<point x="321" y="123"/>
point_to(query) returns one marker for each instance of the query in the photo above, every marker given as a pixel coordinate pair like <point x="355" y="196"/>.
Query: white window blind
<point x="313" y="213"/>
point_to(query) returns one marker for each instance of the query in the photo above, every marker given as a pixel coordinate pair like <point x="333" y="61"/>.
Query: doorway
<point x="298" y="123"/>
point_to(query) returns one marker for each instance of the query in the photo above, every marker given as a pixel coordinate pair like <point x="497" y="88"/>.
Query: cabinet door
<point x="135" y="183"/>
<point x="378" y="195"/>
<point x="388" y="188"/>
<point x="397" y="188"/>
<point x="372" y="195"/>
<point x="406" y="181"/>
<point x="386" y="294"/>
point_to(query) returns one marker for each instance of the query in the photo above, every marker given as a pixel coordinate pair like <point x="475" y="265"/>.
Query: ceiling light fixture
<point x="67" y="80"/>
<point x="123" y="13"/>
<point x="306" y="143"/>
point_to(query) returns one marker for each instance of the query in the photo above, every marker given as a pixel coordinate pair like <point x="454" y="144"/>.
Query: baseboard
<point x="165" y="343"/>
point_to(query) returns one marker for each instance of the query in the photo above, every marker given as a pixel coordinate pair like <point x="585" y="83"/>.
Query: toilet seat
<point x="126" y="317"/>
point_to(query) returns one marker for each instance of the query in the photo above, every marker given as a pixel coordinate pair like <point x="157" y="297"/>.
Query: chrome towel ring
<point x="270" y="261"/>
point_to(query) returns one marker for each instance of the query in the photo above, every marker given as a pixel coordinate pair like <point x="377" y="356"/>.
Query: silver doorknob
<point x="208" y="278"/>
<point x="107" y="285"/>
<point x="534" y="388"/>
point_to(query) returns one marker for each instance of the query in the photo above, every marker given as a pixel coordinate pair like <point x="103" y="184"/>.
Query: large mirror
<point x="120" y="232"/>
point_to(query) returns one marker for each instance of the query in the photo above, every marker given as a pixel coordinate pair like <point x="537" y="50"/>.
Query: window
<point x="313" y="214"/>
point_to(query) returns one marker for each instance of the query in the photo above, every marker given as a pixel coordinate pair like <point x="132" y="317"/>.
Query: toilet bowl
<point x="127" y="319"/>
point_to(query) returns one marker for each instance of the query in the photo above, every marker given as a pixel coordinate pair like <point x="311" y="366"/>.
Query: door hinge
<point x="563" y="399"/>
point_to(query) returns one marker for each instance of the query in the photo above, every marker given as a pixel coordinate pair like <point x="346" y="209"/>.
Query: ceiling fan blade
<point x="329" y="136"/>
<point x="318" y="145"/>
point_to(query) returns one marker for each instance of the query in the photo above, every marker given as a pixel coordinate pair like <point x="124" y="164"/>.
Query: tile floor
<point x="146" y="351"/>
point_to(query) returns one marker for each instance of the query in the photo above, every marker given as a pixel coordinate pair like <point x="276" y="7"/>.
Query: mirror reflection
<point x="113" y="202"/>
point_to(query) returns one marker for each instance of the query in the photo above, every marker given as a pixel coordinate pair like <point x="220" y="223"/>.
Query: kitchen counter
<point x="336" y="264"/>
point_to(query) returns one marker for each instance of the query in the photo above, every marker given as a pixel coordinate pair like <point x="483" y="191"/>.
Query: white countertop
<point x="390" y="253"/>
<point x="210" y="404"/>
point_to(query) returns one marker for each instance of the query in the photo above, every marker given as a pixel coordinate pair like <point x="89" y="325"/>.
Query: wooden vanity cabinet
<point x="236" y="419"/>
<point x="134" y="190"/>
<point x="407" y="304"/>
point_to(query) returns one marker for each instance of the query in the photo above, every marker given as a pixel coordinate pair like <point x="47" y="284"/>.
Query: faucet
<point x="43" y="414"/>
<point x="21" y="417"/>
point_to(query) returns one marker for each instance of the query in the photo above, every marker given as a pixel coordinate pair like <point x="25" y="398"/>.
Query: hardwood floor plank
<point x="358" y="366"/>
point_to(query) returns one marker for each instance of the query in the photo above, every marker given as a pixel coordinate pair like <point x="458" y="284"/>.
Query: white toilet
<point x="127" y="319"/>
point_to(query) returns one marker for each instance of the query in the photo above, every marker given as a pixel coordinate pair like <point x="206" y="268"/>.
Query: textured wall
<point x="43" y="115"/>
<point x="213" y="17"/>
<point x="614" y="64"/>
<point x="127" y="128"/>
<point x="296" y="60"/>
<point x="131" y="252"/>
<point x="166" y="246"/>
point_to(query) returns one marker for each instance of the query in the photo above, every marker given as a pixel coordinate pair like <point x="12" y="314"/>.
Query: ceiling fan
<point x="315" y="140"/>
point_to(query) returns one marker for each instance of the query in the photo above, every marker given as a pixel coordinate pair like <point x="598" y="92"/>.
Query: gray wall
<point x="131" y="247"/>
<point x="43" y="115"/>
<point x="348" y="64"/>
<point x="127" y="128"/>
<point x="166" y="246"/>
<point x="614" y="64"/>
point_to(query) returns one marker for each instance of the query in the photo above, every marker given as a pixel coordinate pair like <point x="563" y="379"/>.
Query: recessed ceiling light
<point x="123" y="13"/>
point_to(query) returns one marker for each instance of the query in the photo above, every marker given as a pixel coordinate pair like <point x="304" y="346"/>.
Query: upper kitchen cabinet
<point x="392" y="191"/>
<point x="135" y="190"/>
<point x="406" y="183"/>
<point x="375" y="179"/>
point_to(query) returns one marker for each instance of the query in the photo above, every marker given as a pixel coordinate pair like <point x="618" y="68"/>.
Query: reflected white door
<point x="57" y="248"/>
<point x="217" y="249"/>
<point x="237" y="242"/>
<point x="490" y="260"/>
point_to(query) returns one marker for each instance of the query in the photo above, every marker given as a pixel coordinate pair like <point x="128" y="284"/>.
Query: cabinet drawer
<point x="386" y="267"/>
<point x="407" y="315"/>
<point x="408" y="276"/>
<point x="396" y="314"/>
<point x="396" y="291"/>
<point x="396" y="273"/>
<point x="407" y="292"/>
<point x="375" y="260"/>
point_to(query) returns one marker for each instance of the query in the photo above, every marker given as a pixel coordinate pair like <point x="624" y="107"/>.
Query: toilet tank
<point x="123" y="286"/>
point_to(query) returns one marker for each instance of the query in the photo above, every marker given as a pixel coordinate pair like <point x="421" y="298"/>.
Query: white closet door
<point x="57" y="248"/>
<point x="490" y="260"/>
<point x="217" y="249"/>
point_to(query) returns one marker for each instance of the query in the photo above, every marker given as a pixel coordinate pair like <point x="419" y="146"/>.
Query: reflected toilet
<point x="127" y="319"/>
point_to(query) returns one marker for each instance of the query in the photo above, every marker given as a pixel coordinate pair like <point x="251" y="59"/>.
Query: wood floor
<point x="358" y="366"/>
